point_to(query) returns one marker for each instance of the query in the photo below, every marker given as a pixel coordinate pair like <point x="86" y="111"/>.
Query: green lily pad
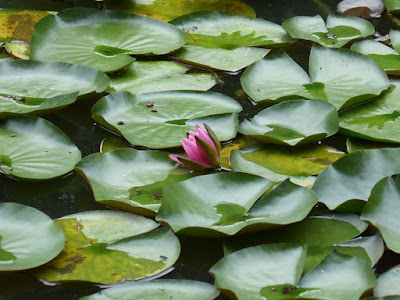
<point x="102" y="39"/>
<point x="157" y="76"/>
<point x="220" y="59"/>
<point x="393" y="6"/>
<point x="246" y="272"/>
<point x="33" y="148"/>
<point x="377" y="120"/>
<point x="28" y="237"/>
<point x="293" y="122"/>
<point x="353" y="176"/>
<point x="388" y="283"/>
<point x="112" y="143"/>
<point x="18" y="49"/>
<point x="353" y="145"/>
<point x="130" y="179"/>
<point x="380" y="210"/>
<point x="111" y="247"/>
<point x="339" y="76"/>
<point x="277" y="163"/>
<point x="168" y="10"/>
<point x="42" y="86"/>
<point x="369" y="248"/>
<point x="212" y="211"/>
<point x="338" y="277"/>
<point x="213" y="29"/>
<point x="161" y="120"/>
<point x="177" y="289"/>
<point x="320" y="233"/>
<point x="17" y="24"/>
<point x="338" y="31"/>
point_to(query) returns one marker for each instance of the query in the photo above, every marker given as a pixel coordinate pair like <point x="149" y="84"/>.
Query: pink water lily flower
<point x="202" y="148"/>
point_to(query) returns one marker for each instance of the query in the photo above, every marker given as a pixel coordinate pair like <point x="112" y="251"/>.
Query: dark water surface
<point x="72" y="194"/>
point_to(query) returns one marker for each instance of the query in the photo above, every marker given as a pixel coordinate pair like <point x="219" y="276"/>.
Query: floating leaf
<point x="337" y="32"/>
<point x="18" y="49"/>
<point x="159" y="290"/>
<point x="157" y="76"/>
<point x="277" y="163"/>
<point x="28" y="237"/>
<point x="161" y="120"/>
<point x="393" y="6"/>
<point x="220" y="59"/>
<point x="212" y="211"/>
<point x="380" y="210"/>
<point x="109" y="247"/>
<point x="293" y="122"/>
<point x="130" y="179"/>
<point x="353" y="176"/>
<point x="35" y="149"/>
<point x="113" y="143"/>
<point x="339" y="76"/>
<point x="213" y="29"/>
<point x="102" y="39"/>
<point x="167" y="10"/>
<point x="319" y="232"/>
<point x="388" y="283"/>
<point x="17" y="24"/>
<point x="42" y="86"/>
<point x="361" y="8"/>
<point x="246" y="272"/>
<point x="377" y="120"/>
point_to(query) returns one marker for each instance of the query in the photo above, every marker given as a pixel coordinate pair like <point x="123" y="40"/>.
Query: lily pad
<point x="293" y="122"/>
<point x="361" y="8"/>
<point x="320" y="233"/>
<point x="18" y="49"/>
<point x="159" y="290"/>
<point x="110" y="247"/>
<point x="246" y="272"/>
<point x="112" y="143"/>
<point x="353" y="145"/>
<point x="212" y="211"/>
<point x="338" y="31"/>
<point x="387" y="57"/>
<point x="157" y="76"/>
<point x="220" y="59"/>
<point x="42" y="86"/>
<point x="130" y="179"/>
<point x="353" y="176"/>
<point x="213" y="29"/>
<point x="35" y="149"/>
<point x="17" y="24"/>
<point x="393" y="6"/>
<point x="377" y="120"/>
<point x="277" y="163"/>
<point x="339" y="76"/>
<point x="167" y="10"/>
<point x="380" y="210"/>
<point x="28" y="237"/>
<point x="161" y="120"/>
<point x="388" y="283"/>
<point x="102" y="40"/>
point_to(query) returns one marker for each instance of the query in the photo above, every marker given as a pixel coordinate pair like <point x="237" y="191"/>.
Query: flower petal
<point x="193" y="152"/>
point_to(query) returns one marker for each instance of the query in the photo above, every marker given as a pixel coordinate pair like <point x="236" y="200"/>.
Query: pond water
<point x="72" y="194"/>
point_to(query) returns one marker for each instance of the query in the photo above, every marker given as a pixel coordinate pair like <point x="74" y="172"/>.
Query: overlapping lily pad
<point x="28" y="237"/>
<point x="159" y="290"/>
<point x="339" y="76"/>
<point x="393" y="6"/>
<point x="35" y="149"/>
<point x="387" y="284"/>
<point x="338" y="31"/>
<point x="167" y="10"/>
<point x="130" y="179"/>
<point x="157" y="76"/>
<point x="41" y="86"/>
<point x="277" y="163"/>
<point x="353" y="176"/>
<point x="109" y="247"/>
<point x="293" y="122"/>
<point x="102" y="40"/>
<point x="321" y="233"/>
<point x="377" y="120"/>
<point x="161" y="120"/>
<point x="387" y="57"/>
<point x="212" y="210"/>
<point x="246" y="272"/>
<point x="381" y="208"/>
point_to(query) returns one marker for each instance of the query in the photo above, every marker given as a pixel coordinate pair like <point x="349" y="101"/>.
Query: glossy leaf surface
<point x="387" y="284"/>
